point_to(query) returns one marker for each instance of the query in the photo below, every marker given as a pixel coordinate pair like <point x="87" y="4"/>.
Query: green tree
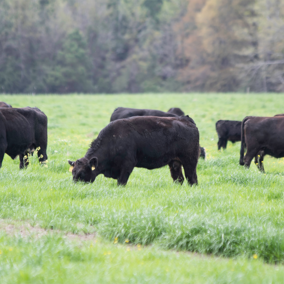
<point x="154" y="7"/>
<point x="72" y="70"/>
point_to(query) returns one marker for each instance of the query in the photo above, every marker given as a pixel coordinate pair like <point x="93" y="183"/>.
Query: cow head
<point x="83" y="169"/>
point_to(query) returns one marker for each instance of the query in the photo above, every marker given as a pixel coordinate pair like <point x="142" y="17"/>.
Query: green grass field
<point x="146" y="232"/>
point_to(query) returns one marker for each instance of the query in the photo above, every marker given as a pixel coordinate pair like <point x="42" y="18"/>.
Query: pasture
<point x="233" y="220"/>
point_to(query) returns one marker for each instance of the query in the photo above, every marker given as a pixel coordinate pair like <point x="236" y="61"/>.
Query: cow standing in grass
<point x="262" y="136"/>
<point x="122" y="112"/>
<point x="143" y="142"/>
<point x="228" y="130"/>
<point x="23" y="130"/>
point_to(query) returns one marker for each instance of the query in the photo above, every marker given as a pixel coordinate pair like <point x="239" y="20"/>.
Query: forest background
<point x="118" y="46"/>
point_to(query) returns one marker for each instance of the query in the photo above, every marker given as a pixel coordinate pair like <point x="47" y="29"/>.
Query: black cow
<point x="3" y="104"/>
<point x="260" y="156"/>
<point x="228" y="130"/>
<point x="122" y="112"/>
<point x="23" y="130"/>
<point x="262" y="136"/>
<point x="281" y="114"/>
<point x="176" y="110"/>
<point x="143" y="142"/>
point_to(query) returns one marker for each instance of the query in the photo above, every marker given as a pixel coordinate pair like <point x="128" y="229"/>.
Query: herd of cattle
<point x="141" y="138"/>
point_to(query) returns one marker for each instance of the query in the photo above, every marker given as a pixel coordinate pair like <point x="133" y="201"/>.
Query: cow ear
<point x="93" y="163"/>
<point x="71" y="163"/>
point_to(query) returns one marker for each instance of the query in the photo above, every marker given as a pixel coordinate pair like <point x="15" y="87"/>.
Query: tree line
<point x="115" y="46"/>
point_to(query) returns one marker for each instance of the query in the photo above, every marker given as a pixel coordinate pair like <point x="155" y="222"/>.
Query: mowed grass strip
<point x="232" y="212"/>
<point x="53" y="259"/>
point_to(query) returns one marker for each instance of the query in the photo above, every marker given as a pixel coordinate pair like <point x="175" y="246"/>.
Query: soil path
<point x="24" y="229"/>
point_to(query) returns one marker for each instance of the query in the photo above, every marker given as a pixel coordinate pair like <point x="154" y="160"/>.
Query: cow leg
<point x="42" y="156"/>
<point x="190" y="173"/>
<point x="219" y="144"/>
<point x="256" y="160"/>
<point x="176" y="171"/>
<point x="21" y="161"/>
<point x="2" y="150"/>
<point x="249" y="156"/>
<point x="224" y="145"/>
<point x="2" y="153"/>
<point x="261" y="167"/>
<point x="24" y="159"/>
<point x="124" y="175"/>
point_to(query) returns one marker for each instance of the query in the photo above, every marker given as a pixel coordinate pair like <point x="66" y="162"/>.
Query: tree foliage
<point x="112" y="46"/>
<point x="71" y="72"/>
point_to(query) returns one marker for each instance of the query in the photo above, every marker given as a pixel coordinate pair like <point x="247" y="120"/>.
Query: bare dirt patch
<point x="14" y="228"/>
<point x="26" y="230"/>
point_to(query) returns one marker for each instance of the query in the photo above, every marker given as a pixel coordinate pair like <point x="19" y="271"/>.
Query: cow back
<point x="121" y="112"/>
<point x="3" y="104"/>
<point x="176" y="111"/>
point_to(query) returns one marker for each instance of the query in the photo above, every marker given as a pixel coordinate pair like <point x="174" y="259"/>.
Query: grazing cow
<point x="122" y="112"/>
<point x="23" y="130"/>
<point x="176" y="110"/>
<point x="3" y="104"/>
<point x="262" y="136"/>
<point x="228" y="130"/>
<point x="143" y="142"/>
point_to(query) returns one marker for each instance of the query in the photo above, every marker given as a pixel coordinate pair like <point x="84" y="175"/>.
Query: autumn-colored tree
<point x="190" y="46"/>
<point x="219" y="43"/>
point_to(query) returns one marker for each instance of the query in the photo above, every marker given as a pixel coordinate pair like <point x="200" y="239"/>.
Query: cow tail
<point x="243" y="145"/>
